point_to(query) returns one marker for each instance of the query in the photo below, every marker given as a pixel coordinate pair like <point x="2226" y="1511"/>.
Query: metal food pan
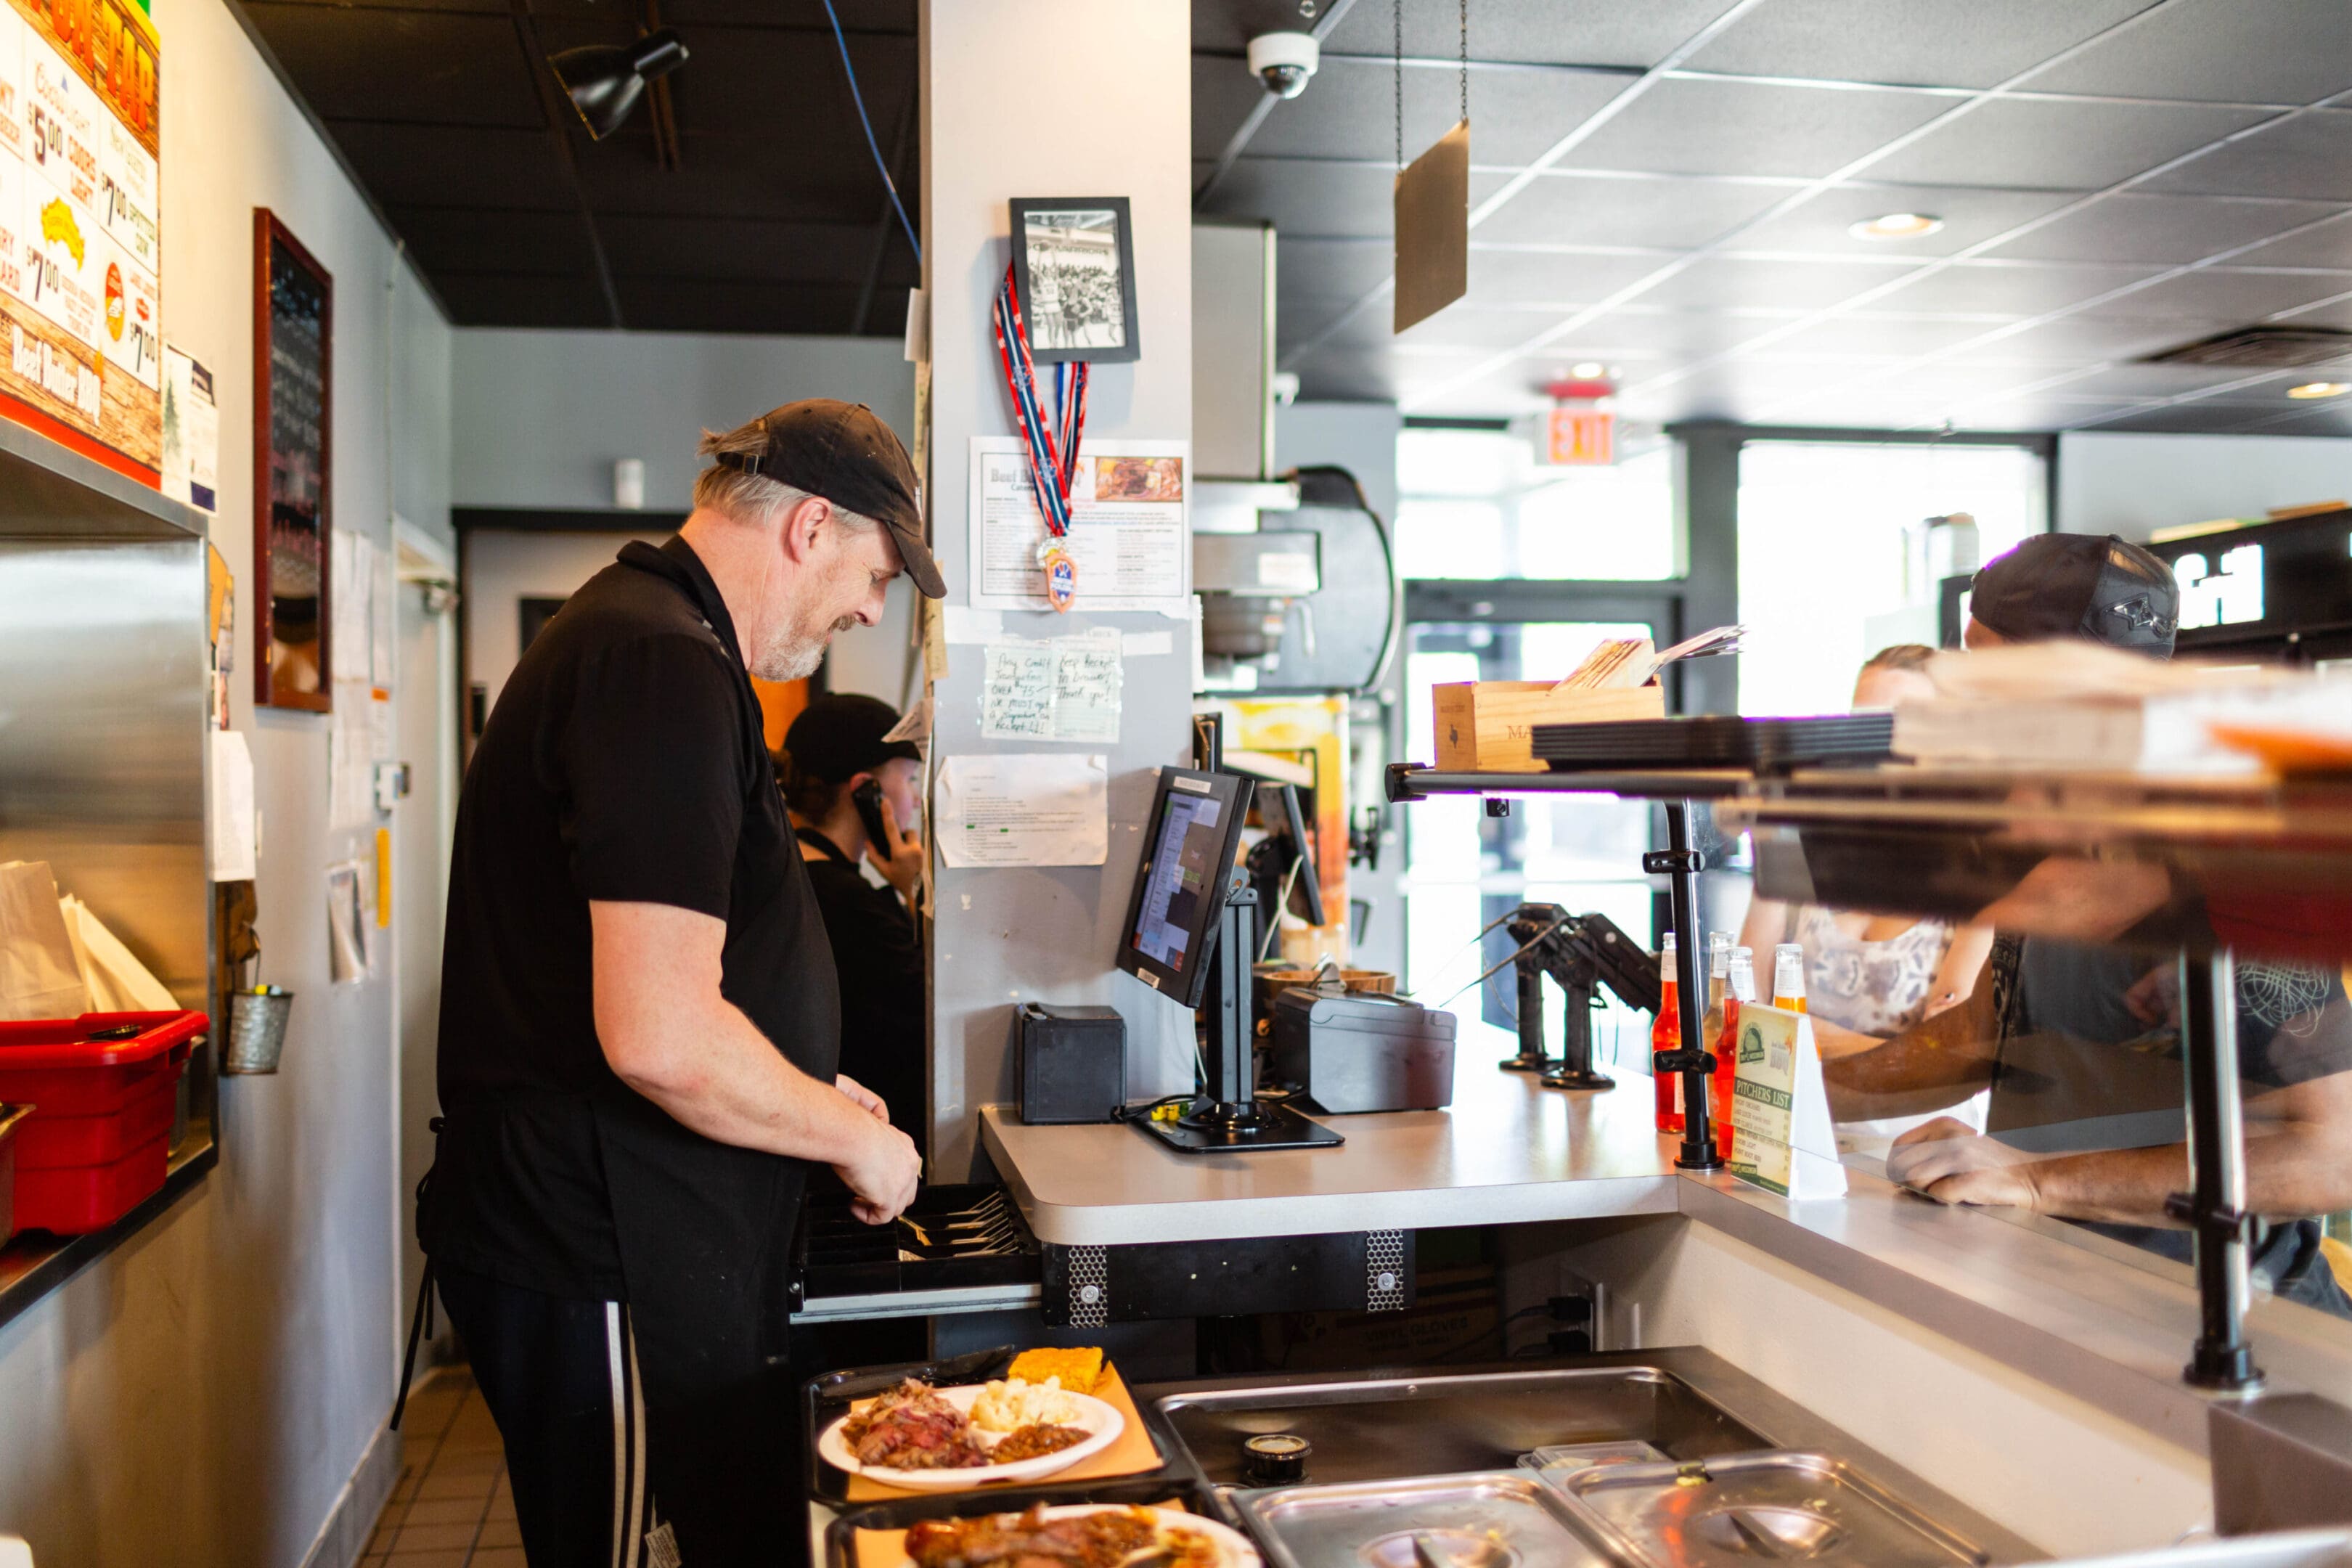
<point x="1497" y="1519"/>
<point x="1741" y="1511"/>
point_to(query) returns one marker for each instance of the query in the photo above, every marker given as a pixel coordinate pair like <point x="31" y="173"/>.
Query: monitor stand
<point x="1230" y="1117"/>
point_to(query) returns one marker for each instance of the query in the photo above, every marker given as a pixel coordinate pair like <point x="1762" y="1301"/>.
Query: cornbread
<point x="1078" y="1370"/>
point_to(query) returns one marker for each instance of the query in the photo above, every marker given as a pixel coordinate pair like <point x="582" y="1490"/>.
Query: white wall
<point x="1123" y="73"/>
<point x="504" y="567"/>
<point x="2131" y="484"/>
<point x="203" y="1395"/>
<point x="539" y="418"/>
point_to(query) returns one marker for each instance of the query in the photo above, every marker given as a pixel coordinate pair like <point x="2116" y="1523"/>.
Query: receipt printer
<point x="1362" y="1051"/>
<point x="1070" y="1064"/>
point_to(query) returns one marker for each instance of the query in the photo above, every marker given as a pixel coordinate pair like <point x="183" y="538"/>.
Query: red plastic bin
<point x="100" y="1135"/>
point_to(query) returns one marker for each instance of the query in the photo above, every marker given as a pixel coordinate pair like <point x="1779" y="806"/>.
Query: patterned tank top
<point x="1871" y="987"/>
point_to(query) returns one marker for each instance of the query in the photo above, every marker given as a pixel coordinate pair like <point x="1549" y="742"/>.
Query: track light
<point x="604" y="82"/>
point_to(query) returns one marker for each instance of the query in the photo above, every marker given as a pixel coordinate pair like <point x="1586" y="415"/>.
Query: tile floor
<point x="452" y="1508"/>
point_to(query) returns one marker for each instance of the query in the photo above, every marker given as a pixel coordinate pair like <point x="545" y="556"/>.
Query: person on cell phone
<point x="854" y="799"/>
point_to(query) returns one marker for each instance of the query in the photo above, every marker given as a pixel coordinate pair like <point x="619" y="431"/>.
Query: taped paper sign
<point x="1782" y="1139"/>
<point x="1129" y="536"/>
<point x="1066" y="688"/>
<point x="1023" y="809"/>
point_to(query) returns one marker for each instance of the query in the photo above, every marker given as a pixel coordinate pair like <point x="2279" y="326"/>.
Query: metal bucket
<point x="257" y="1028"/>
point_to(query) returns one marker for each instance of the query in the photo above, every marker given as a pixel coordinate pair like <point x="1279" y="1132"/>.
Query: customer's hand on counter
<point x="884" y="1175"/>
<point x="1952" y="1162"/>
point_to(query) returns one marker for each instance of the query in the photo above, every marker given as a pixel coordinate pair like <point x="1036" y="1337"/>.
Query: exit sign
<point x="1580" y="436"/>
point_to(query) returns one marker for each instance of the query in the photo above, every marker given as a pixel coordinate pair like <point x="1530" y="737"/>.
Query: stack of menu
<point x="2076" y="705"/>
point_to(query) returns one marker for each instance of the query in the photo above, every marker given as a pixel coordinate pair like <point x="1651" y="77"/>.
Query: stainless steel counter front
<point x="1508" y="1152"/>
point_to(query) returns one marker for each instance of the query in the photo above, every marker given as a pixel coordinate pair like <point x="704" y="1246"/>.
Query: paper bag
<point x="118" y="982"/>
<point x="38" y="976"/>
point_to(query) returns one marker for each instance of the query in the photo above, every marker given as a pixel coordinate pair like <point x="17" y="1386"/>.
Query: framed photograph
<point x="1075" y="262"/>
<point x="293" y="361"/>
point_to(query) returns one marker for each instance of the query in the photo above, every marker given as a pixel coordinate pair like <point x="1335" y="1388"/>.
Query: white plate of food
<point x="930" y="1439"/>
<point x="1081" y="1535"/>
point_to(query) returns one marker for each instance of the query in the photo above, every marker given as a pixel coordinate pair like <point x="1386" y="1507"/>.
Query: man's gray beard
<point x="796" y="658"/>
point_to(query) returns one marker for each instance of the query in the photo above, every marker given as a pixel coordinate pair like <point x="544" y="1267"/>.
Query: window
<point x="1476" y="504"/>
<point x="1834" y="561"/>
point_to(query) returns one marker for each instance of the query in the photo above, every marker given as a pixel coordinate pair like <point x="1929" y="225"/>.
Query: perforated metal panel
<point x="1089" y="1286"/>
<point x="1385" y="1276"/>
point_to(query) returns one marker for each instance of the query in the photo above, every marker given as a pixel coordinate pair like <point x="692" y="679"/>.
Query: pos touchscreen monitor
<point x="1191" y="838"/>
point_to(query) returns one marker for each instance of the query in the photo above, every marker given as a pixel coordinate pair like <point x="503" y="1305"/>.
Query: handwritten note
<point x="1065" y="689"/>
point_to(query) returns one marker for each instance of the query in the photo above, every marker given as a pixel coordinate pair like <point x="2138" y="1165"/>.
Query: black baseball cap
<point x="839" y="735"/>
<point x="2095" y="586"/>
<point x="845" y="453"/>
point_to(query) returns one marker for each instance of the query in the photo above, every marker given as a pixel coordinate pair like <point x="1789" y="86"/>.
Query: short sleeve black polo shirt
<point x="624" y="761"/>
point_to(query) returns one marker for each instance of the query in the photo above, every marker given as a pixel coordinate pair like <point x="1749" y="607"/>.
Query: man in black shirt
<point x="850" y="792"/>
<point x="638" y="1018"/>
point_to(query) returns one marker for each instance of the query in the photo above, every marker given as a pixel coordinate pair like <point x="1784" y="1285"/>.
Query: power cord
<point x="872" y="146"/>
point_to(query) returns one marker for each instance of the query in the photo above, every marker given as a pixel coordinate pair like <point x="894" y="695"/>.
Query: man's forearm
<point x="719" y="1075"/>
<point x="2292" y="1170"/>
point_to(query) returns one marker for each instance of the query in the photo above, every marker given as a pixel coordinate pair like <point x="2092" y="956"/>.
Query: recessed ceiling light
<point x="1896" y="226"/>
<point x="2320" y="389"/>
<point x="1589" y="368"/>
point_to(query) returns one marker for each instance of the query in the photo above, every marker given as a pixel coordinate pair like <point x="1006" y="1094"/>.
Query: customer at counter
<point x="2078" y="1041"/>
<point x="639" y="1025"/>
<point x="850" y="789"/>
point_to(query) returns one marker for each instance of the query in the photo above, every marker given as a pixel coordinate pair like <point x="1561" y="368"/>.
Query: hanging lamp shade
<point x="604" y="82"/>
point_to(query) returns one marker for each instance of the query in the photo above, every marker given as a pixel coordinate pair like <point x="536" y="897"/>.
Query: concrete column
<point x="1050" y="98"/>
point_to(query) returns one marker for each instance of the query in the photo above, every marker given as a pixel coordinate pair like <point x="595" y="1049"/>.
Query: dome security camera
<point x="1284" y="61"/>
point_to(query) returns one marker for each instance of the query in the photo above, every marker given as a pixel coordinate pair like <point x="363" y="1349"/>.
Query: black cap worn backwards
<point x="2088" y="586"/>
<point x="845" y="453"/>
<point x="839" y="735"/>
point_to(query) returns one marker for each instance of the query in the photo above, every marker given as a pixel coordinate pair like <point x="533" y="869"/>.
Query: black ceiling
<point x="772" y="220"/>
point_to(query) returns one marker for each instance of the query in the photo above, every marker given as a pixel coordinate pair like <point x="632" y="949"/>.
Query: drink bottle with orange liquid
<point x="1789" y="977"/>
<point x="1739" y="986"/>
<point x="1666" y="1035"/>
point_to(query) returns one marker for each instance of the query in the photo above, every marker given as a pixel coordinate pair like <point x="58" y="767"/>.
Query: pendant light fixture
<point x="604" y="82"/>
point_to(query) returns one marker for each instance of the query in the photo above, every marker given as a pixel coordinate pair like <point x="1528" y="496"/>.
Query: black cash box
<point x="1361" y="1051"/>
<point x="1070" y="1064"/>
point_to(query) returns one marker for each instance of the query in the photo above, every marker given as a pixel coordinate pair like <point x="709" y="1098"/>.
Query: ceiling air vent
<point x="2263" y="348"/>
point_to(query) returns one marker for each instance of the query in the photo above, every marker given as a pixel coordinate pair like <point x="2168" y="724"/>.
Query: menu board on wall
<point x="81" y="344"/>
<point x="293" y="356"/>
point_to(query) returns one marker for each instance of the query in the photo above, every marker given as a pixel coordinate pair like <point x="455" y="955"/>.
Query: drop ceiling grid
<point x="2169" y="236"/>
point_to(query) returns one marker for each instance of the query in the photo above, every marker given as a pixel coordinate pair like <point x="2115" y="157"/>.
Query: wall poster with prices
<point x="80" y="318"/>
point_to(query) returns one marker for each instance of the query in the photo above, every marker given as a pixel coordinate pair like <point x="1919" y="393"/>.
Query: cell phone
<point x="867" y="798"/>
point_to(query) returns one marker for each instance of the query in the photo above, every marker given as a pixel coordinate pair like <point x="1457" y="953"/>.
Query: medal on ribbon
<point x="1052" y="445"/>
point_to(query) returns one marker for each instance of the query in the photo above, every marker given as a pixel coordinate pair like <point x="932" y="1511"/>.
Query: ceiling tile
<point x="865" y="17"/>
<point x="2088" y="340"/>
<point x="2328" y="245"/>
<point x="1349" y="110"/>
<point x="2334" y="313"/>
<point x="2129" y="226"/>
<point x="435" y="66"/>
<point x="499" y="300"/>
<point x="737" y="175"/>
<point x="1458" y="326"/>
<point x="1320" y="200"/>
<point x="1866" y="332"/>
<point x="2202" y="417"/>
<point x="1973" y="43"/>
<point x="1671" y="336"/>
<point x="2011" y="290"/>
<point x="1971" y="216"/>
<point x="1229" y="25"/>
<point x="2135" y="380"/>
<point x="1754" y="128"/>
<point x="1676" y="213"/>
<point x="1331" y="270"/>
<point x="1720" y="282"/>
<point x="1223" y="94"/>
<point x="2249" y="52"/>
<point x="1551" y="277"/>
<point x="2309" y="155"/>
<point x="2219" y="292"/>
<point x="455" y="165"/>
<point x="2058" y="145"/>
<point x="1580" y="32"/>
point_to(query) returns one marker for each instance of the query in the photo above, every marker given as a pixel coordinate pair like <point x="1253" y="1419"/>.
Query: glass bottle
<point x="1739" y="980"/>
<point x="1789" y="977"/>
<point x="1665" y="1035"/>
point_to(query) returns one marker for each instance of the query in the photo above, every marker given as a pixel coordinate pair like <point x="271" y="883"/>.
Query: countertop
<point x="1507" y="1151"/>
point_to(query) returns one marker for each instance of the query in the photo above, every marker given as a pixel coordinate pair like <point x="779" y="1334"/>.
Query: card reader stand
<point x="1230" y="1118"/>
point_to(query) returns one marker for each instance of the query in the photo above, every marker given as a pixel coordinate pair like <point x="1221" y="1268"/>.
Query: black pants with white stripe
<point x="561" y="1379"/>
